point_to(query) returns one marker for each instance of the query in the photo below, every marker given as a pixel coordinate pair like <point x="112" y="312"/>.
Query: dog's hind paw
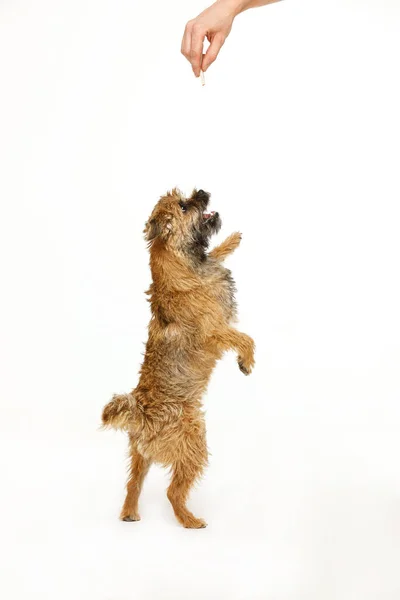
<point x="130" y="518"/>
<point x="193" y="523"/>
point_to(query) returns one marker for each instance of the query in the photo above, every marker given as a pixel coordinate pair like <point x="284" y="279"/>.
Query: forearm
<point x="239" y="6"/>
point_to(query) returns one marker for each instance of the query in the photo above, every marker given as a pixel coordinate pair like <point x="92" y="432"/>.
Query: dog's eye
<point x="183" y="206"/>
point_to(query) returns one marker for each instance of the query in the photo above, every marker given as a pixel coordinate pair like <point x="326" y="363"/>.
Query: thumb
<point x="212" y="51"/>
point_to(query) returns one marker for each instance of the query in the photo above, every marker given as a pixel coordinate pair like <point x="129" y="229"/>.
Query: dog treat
<point x="202" y="78"/>
<point x="192" y="299"/>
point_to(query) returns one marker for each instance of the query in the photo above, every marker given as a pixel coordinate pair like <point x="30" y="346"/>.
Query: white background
<point x="296" y="134"/>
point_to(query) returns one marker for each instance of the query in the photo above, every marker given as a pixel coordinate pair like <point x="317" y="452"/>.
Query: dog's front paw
<point x="235" y="239"/>
<point x="246" y="366"/>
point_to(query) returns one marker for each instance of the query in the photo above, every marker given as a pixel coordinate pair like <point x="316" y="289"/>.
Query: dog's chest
<point x="223" y="288"/>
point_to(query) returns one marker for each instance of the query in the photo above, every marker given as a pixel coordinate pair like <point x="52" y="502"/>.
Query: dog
<point x="193" y="308"/>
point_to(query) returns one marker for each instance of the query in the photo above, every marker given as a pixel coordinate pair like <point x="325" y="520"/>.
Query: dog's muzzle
<point x="202" y="198"/>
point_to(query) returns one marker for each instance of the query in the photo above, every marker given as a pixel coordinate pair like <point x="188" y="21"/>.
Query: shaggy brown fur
<point x="193" y="308"/>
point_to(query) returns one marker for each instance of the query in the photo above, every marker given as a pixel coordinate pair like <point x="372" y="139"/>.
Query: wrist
<point x="234" y="7"/>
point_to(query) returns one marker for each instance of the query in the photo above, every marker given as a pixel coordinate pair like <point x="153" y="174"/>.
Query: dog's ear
<point x="152" y="230"/>
<point x="157" y="227"/>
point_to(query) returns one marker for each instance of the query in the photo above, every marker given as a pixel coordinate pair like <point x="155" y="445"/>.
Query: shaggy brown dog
<point x="193" y="308"/>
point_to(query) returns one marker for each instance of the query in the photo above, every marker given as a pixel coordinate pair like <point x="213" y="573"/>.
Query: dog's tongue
<point x="208" y="215"/>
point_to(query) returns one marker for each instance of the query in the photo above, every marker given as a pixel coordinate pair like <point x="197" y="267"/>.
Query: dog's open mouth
<point x="211" y="223"/>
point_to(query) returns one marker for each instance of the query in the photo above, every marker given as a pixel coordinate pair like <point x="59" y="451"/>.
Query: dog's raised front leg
<point x="227" y="247"/>
<point x="229" y="338"/>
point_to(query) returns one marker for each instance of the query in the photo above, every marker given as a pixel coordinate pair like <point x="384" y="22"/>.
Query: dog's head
<point x="183" y="223"/>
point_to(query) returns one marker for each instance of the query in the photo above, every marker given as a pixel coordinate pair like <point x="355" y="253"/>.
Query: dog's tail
<point x="119" y="413"/>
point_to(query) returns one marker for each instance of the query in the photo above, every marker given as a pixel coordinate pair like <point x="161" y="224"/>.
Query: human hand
<point x="215" y="24"/>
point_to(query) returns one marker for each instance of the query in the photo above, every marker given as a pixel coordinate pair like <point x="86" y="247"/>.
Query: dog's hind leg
<point x="191" y="459"/>
<point x="138" y="471"/>
<point x="183" y="478"/>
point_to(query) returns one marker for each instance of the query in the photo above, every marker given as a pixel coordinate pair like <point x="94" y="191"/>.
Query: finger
<point x="212" y="52"/>
<point x="196" y="50"/>
<point x="186" y="41"/>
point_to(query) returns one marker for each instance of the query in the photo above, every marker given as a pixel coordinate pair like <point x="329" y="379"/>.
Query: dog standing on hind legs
<point x="193" y="308"/>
